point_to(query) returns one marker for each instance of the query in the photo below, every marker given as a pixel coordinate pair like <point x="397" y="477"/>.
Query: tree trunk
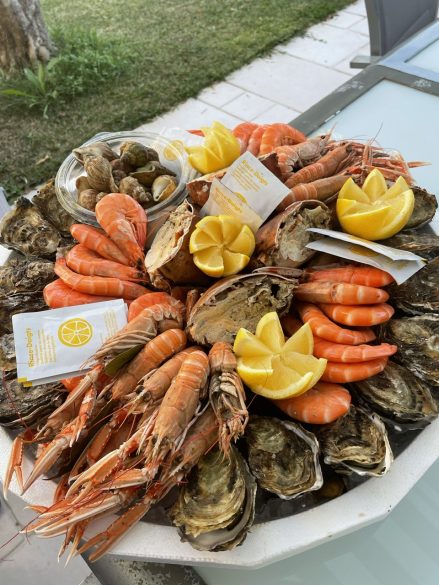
<point x="24" y="39"/>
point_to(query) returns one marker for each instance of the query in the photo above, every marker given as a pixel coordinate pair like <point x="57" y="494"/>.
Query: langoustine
<point x="84" y="261"/>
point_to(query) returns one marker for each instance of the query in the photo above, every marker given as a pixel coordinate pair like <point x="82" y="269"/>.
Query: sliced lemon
<point x="269" y="331"/>
<point x="375" y="185"/>
<point x="283" y="383"/>
<point x="351" y="190"/>
<point x="301" y="342"/>
<point x="248" y="345"/>
<point x="219" y="149"/>
<point x="229" y="243"/>
<point x="255" y="370"/>
<point x="303" y="364"/>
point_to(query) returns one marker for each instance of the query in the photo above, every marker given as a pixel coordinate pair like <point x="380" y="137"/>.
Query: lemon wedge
<point x="374" y="212"/>
<point x="221" y="245"/>
<point x="273" y="367"/>
<point x="219" y="149"/>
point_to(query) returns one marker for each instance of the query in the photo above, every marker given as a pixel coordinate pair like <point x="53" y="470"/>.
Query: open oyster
<point x="424" y="210"/>
<point x="424" y="245"/>
<point x="420" y="293"/>
<point x="239" y="301"/>
<point x="356" y="443"/>
<point x="24" y="229"/>
<point x="283" y="457"/>
<point x="398" y="397"/>
<point x="47" y="202"/>
<point x="417" y="339"/>
<point x="216" y="505"/>
<point x="282" y="240"/>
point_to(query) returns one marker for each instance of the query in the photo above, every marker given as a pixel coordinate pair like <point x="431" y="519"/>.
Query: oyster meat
<point x="47" y="202"/>
<point x="239" y="301"/>
<point x="424" y="245"/>
<point x="417" y="339"/>
<point x="282" y="240"/>
<point x="420" y="293"/>
<point x="356" y="443"/>
<point x="24" y="229"/>
<point x="216" y="504"/>
<point x="424" y="210"/>
<point x="283" y="457"/>
<point x="398" y="397"/>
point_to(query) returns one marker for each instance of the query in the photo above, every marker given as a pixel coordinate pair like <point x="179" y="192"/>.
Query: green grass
<point x="148" y="56"/>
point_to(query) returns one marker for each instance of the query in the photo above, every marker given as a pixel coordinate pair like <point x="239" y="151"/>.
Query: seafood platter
<point x="263" y="396"/>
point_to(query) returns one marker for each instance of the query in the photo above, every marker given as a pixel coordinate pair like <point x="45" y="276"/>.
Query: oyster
<point x="397" y="396"/>
<point x="19" y="303"/>
<point x="20" y="406"/>
<point x="282" y="240"/>
<point x="216" y="505"/>
<point x="24" y="229"/>
<point x="163" y="187"/>
<point x="283" y="457"/>
<point x="99" y="174"/>
<point x="424" y="245"/>
<point x="7" y="353"/>
<point x="98" y="148"/>
<point x="417" y="339"/>
<point x="424" y="210"/>
<point x="136" y="154"/>
<point x="420" y="293"/>
<point x="168" y="260"/>
<point x="356" y="443"/>
<point x="147" y="174"/>
<point x="47" y="202"/>
<point x="239" y="301"/>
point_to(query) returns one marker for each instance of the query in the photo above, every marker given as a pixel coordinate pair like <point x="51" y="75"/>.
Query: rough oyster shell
<point x="283" y="457"/>
<point x="19" y="303"/>
<point x="417" y="339"/>
<point x="420" y="293"/>
<point x="98" y="148"/>
<point x="282" y="240"/>
<point x="424" y="245"/>
<point x="24" y="229"/>
<point x="215" y="508"/>
<point x="239" y="301"/>
<point x="397" y="396"/>
<point x="168" y="260"/>
<point x="47" y="202"/>
<point x="424" y="210"/>
<point x="7" y="353"/>
<point x="356" y="443"/>
<point x="21" y="406"/>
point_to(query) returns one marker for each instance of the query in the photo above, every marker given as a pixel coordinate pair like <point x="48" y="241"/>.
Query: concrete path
<point x="281" y="86"/>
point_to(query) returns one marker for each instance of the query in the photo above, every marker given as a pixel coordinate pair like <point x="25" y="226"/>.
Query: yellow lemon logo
<point x="75" y="332"/>
<point x="169" y="151"/>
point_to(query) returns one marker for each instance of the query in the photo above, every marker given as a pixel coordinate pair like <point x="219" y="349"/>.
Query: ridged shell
<point x="98" y="148"/>
<point x="420" y="293"/>
<point x="47" y="202"/>
<point x="425" y="207"/>
<point x="424" y="245"/>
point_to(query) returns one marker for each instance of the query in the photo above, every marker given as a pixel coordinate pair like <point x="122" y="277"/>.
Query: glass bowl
<point x="170" y="156"/>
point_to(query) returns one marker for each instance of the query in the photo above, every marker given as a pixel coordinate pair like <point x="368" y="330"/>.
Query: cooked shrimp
<point x="124" y="221"/>
<point x="254" y="142"/>
<point x="365" y="275"/>
<point x="95" y="240"/>
<point x="58" y="294"/>
<point x="243" y="133"/>
<point x="299" y="155"/>
<point x="322" y="404"/>
<point x="330" y="164"/>
<point x="322" y="189"/>
<point x="71" y="383"/>
<point x="279" y="135"/>
<point x="323" y="327"/>
<point x="152" y="355"/>
<point x="341" y="293"/>
<point x="89" y="263"/>
<point x="358" y="316"/>
<point x="100" y="285"/>
<point x="343" y="373"/>
<point x="337" y="352"/>
<point x="149" y="299"/>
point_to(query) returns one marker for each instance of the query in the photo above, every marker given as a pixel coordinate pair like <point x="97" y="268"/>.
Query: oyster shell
<point x="397" y="396"/>
<point x="417" y="339"/>
<point x="19" y="303"/>
<point x="147" y="174"/>
<point x="24" y="229"/>
<point x="239" y="301"/>
<point x="47" y="202"/>
<point x="283" y="457"/>
<point x="424" y="210"/>
<point x="282" y="240"/>
<point x="21" y="406"/>
<point x="215" y="508"/>
<point x="424" y="245"/>
<point x="420" y="293"/>
<point x="168" y="260"/>
<point x="7" y="353"/>
<point x="98" y="148"/>
<point x="99" y="174"/>
<point x="136" y="154"/>
<point x="356" y="443"/>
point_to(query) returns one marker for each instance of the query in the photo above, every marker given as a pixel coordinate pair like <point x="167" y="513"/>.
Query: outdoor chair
<point x="391" y="22"/>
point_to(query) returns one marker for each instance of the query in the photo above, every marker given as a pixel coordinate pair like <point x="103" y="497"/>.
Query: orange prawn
<point x="332" y="162"/>
<point x="322" y="189"/>
<point x="358" y="316"/>
<point x="341" y="293"/>
<point x="243" y="133"/>
<point x="342" y="373"/>
<point x="365" y="275"/>
<point x="89" y="263"/>
<point x="95" y="240"/>
<point x="279" y="135"/>
<point x="149" y="299"/>
<point x="322" y="404"/>
<point x="254" y="142"/>
<point x="337" y="352"/>
<point x="58" y="294"/>
<point x="323" y="327"/>
<point x="124" y="221"/>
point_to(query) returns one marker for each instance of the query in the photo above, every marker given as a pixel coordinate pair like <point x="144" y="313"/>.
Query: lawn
<point x="169" y="52"/>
